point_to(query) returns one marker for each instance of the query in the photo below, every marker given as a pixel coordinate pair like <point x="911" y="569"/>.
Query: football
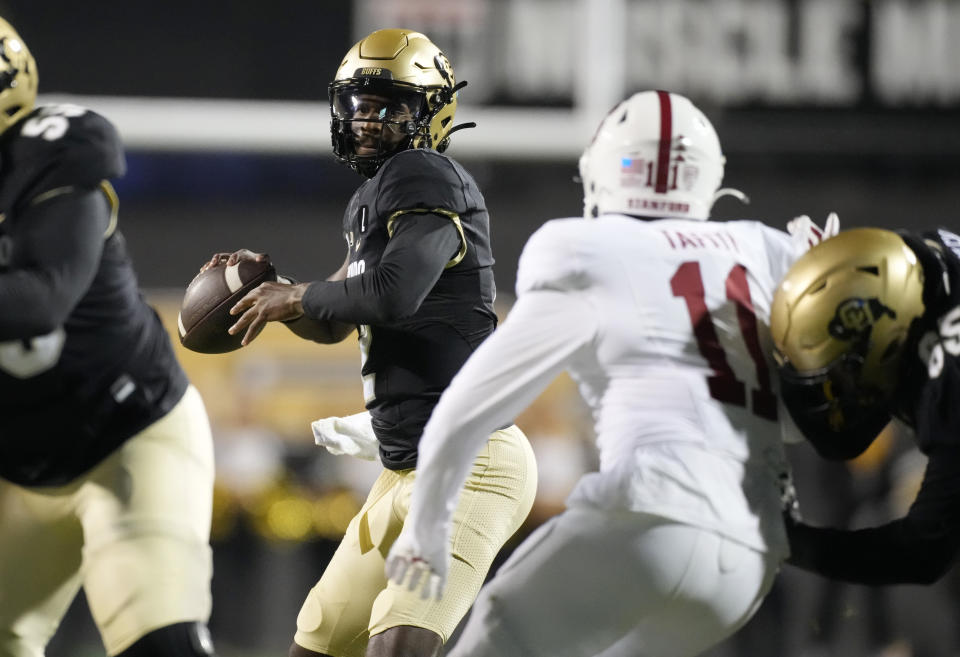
<point x="205" y="311"/>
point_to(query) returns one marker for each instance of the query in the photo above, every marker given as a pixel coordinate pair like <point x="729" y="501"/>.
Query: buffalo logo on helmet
<point x="855" y="317"/>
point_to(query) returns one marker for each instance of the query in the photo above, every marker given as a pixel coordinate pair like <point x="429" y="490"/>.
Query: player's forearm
<point x="320" y="330"/>
<point x="29" y="305"/>
<point x="376" y="297"/>
<point x="411" y="264"/>
<point x="60" y="246"/>
<point x="916" y="549"/>
<point x="890" y="554"/>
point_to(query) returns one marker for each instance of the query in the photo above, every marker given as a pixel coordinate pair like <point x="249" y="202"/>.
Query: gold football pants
<point x="354" y="600"/>
<point x="134" y="532"/>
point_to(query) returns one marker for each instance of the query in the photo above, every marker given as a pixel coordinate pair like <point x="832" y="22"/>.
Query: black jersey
<point x="72" y="394"/>
<point x="407" y="364"/>
<point x="929" y="394"/>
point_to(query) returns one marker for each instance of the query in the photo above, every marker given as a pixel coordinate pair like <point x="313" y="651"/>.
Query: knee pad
<point x="177" y="640"/>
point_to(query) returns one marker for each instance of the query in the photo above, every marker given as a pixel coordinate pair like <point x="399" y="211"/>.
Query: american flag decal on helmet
<point x="634" y="165"/>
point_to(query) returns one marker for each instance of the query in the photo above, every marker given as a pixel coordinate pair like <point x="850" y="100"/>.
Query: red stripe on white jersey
<point x="663" y="153"/>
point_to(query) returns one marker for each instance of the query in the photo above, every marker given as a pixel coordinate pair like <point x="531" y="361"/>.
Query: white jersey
<point x="665" y="327"/>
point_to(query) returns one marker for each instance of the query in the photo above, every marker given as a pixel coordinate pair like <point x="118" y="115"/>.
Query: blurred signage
<point x="734" y="52"/>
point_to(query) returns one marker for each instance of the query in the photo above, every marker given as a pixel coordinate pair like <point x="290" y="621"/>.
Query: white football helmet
<point x="654" y="155"/>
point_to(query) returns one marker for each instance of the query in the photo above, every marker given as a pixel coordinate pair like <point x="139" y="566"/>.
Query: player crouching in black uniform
<point x="418" y="284"/>
<point x="867" y="328"/>
<point x="106" y="457"/>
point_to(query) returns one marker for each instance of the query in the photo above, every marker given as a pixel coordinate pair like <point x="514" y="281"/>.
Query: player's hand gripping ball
<point x="205" y="311"/>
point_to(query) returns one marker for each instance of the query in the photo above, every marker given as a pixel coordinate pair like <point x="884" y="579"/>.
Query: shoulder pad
<point x="420" y="178"/>
<point x="937" y="252"/>
<point x="57" y="146"/>
<point x="553" y="258"/>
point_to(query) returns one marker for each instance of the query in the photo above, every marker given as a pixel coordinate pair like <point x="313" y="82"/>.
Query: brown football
<point x="205" y="311"/>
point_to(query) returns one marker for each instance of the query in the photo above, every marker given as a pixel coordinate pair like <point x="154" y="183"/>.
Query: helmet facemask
<point x="833" y="390"/>
<point x="839" y="408"/>
<point x="374" y="119"/>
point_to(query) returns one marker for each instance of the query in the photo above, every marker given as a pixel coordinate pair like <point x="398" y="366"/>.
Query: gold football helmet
<point x="18" y="77"/>
<point x="393" y="90"/>
<point x="840" y="319"/>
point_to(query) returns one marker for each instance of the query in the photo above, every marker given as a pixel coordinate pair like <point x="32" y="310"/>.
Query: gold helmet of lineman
<point x="393" y="90"/>
<point x="18" y="77"/>
<point x="840" y="319"/>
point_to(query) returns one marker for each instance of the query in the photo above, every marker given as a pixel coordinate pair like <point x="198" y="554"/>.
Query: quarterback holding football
<point x="417" y="285"/>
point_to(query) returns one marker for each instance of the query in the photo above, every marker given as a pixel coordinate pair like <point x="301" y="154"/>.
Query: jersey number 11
<point x="687" y="283"/>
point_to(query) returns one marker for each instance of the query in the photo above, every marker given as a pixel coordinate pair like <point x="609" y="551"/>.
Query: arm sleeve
<point x="916" y="549"/>
<point x="58" y="246"/>
<point x="506" y="373"/>
<point x="418" y="251"/>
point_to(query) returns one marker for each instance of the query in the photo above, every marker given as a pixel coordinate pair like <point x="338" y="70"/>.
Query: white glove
<point x="806" y="234"/>
<point x="351" y="435"/>
<point x="426" y="565"/>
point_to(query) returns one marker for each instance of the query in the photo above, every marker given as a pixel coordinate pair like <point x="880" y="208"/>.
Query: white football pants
<point x="616" y="584"/>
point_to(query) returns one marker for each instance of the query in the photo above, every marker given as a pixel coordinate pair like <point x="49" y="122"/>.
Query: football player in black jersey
<point x="417" y="283"/>
<point x="106" y="457"/>
<point x="867" y="328"/>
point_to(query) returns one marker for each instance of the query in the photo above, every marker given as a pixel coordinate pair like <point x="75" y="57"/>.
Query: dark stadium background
<point x="877" y="157"/>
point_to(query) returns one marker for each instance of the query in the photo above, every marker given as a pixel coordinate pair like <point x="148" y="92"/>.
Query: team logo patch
<point x="373" y="72"/>
<point x="855" y="317"/>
